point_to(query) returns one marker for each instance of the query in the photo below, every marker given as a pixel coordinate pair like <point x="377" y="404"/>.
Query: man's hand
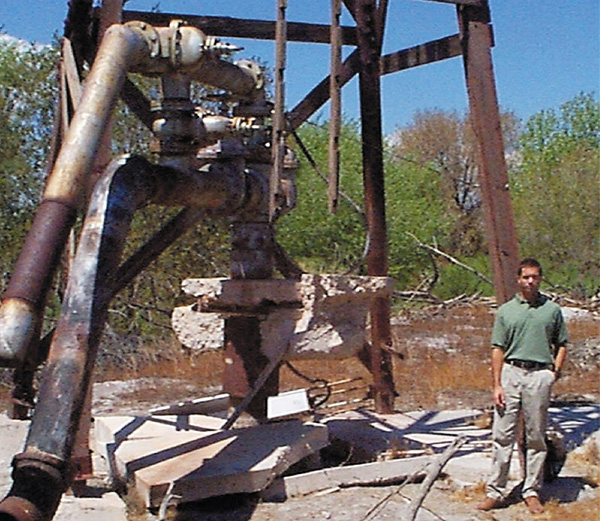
<point x="499" y="397"/>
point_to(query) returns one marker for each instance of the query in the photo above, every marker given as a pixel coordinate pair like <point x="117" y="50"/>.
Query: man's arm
<point x="497" y="363"/>
<point x="559" y="360"/>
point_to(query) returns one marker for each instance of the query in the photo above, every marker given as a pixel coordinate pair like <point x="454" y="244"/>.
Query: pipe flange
<point x="254" y="70"/>
<point x="150" y="34"/>
<point x="19" y="509"/>
<point x="176" y="51"/>
<point x="52" y="466"/>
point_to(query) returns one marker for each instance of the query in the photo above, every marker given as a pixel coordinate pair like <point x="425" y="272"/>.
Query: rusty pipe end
<point x="39" y="480"/>
<point x="13" y="508"/>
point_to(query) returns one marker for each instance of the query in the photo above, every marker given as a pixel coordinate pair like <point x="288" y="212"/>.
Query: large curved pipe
<point x="42" y="471"/>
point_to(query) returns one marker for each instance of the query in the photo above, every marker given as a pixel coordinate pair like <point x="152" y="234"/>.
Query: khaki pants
<point x="527" y="390"/>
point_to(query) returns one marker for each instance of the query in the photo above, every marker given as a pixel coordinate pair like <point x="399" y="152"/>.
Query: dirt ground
<point x="441" y="361"/>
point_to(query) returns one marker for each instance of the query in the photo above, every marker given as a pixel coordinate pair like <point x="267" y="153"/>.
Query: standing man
<point x="528" y="350"/>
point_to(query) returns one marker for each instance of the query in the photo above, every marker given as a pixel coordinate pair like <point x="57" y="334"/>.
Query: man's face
<point x="529" y="281"/>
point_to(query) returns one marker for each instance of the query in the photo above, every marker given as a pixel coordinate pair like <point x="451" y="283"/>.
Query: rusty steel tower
<point x="236" y="165"/>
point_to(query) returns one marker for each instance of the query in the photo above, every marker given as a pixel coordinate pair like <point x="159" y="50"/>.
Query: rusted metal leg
<point x="372" y="151"/>
<point x="476" y="38"/>
<point x="81" y="459"/>
<point x="23" y="393"/>
<point x="251" y="258"/>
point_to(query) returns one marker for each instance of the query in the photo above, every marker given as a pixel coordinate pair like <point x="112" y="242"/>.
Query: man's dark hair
<point x="529" y="262"/>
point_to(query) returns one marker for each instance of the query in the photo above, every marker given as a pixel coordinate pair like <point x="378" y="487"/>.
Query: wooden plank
<point x="419" y="55"/>
<point x="245" y="28"/>
<point x="430" y="52"/>
<point x="493" y="176"/>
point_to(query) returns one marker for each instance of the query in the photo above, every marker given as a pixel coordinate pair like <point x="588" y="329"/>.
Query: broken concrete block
<point x="224" y="462"/>
<point x="198" y="331"/>
<point x="235" y="294"/>
<point x="318" y="316"/>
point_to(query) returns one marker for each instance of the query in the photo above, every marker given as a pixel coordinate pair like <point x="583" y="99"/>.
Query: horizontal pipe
<point x="222" y="187"/>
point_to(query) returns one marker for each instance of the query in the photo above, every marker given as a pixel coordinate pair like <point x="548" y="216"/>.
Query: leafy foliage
<point x="318" y="240"/>
<point x="556" y="191"/>
<point x="335" y="243"/>
<point x="444" y="146"/>
<point x="27" y="93"/>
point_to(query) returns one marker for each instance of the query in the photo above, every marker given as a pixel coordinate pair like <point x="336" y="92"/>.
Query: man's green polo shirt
<point x="529" y="332"/>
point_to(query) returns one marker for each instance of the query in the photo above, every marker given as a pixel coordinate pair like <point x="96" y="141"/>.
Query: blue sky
<point x="546" y="52"/>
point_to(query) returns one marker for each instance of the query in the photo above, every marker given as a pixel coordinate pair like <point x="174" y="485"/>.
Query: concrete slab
<point x="115" y="429"/>
<point x="201" y="461"/>
<point x="317" y="316"/>
<point x="378" y="473"/>
<point x="245" y="460"/>
<point x="372" y="434"/>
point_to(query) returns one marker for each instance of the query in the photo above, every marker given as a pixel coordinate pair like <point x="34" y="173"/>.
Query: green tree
<point x="318" y="240"/>
<point x="335" y="243"/>
<point x="556" y="191"/>
<point x="27" y="94"/>
<point x="444" y="146"/>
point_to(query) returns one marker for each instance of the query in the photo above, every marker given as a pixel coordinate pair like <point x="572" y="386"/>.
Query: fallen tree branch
<point x="439" y="252"/>
<point x="432" y="474"/>
<point x="417" y="296"/>
<point x="409" y="479"/>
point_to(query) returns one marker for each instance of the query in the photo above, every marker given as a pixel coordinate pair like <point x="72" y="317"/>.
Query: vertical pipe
<point x="503" y="247"/>
<point x="372" y="150"/>
<point x="251" y="258"/>
<point x="335" y="89"/>
<point x="278" y="151"/>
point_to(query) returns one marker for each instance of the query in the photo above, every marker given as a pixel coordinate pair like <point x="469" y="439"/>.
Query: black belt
<point x="526" y="364"/>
